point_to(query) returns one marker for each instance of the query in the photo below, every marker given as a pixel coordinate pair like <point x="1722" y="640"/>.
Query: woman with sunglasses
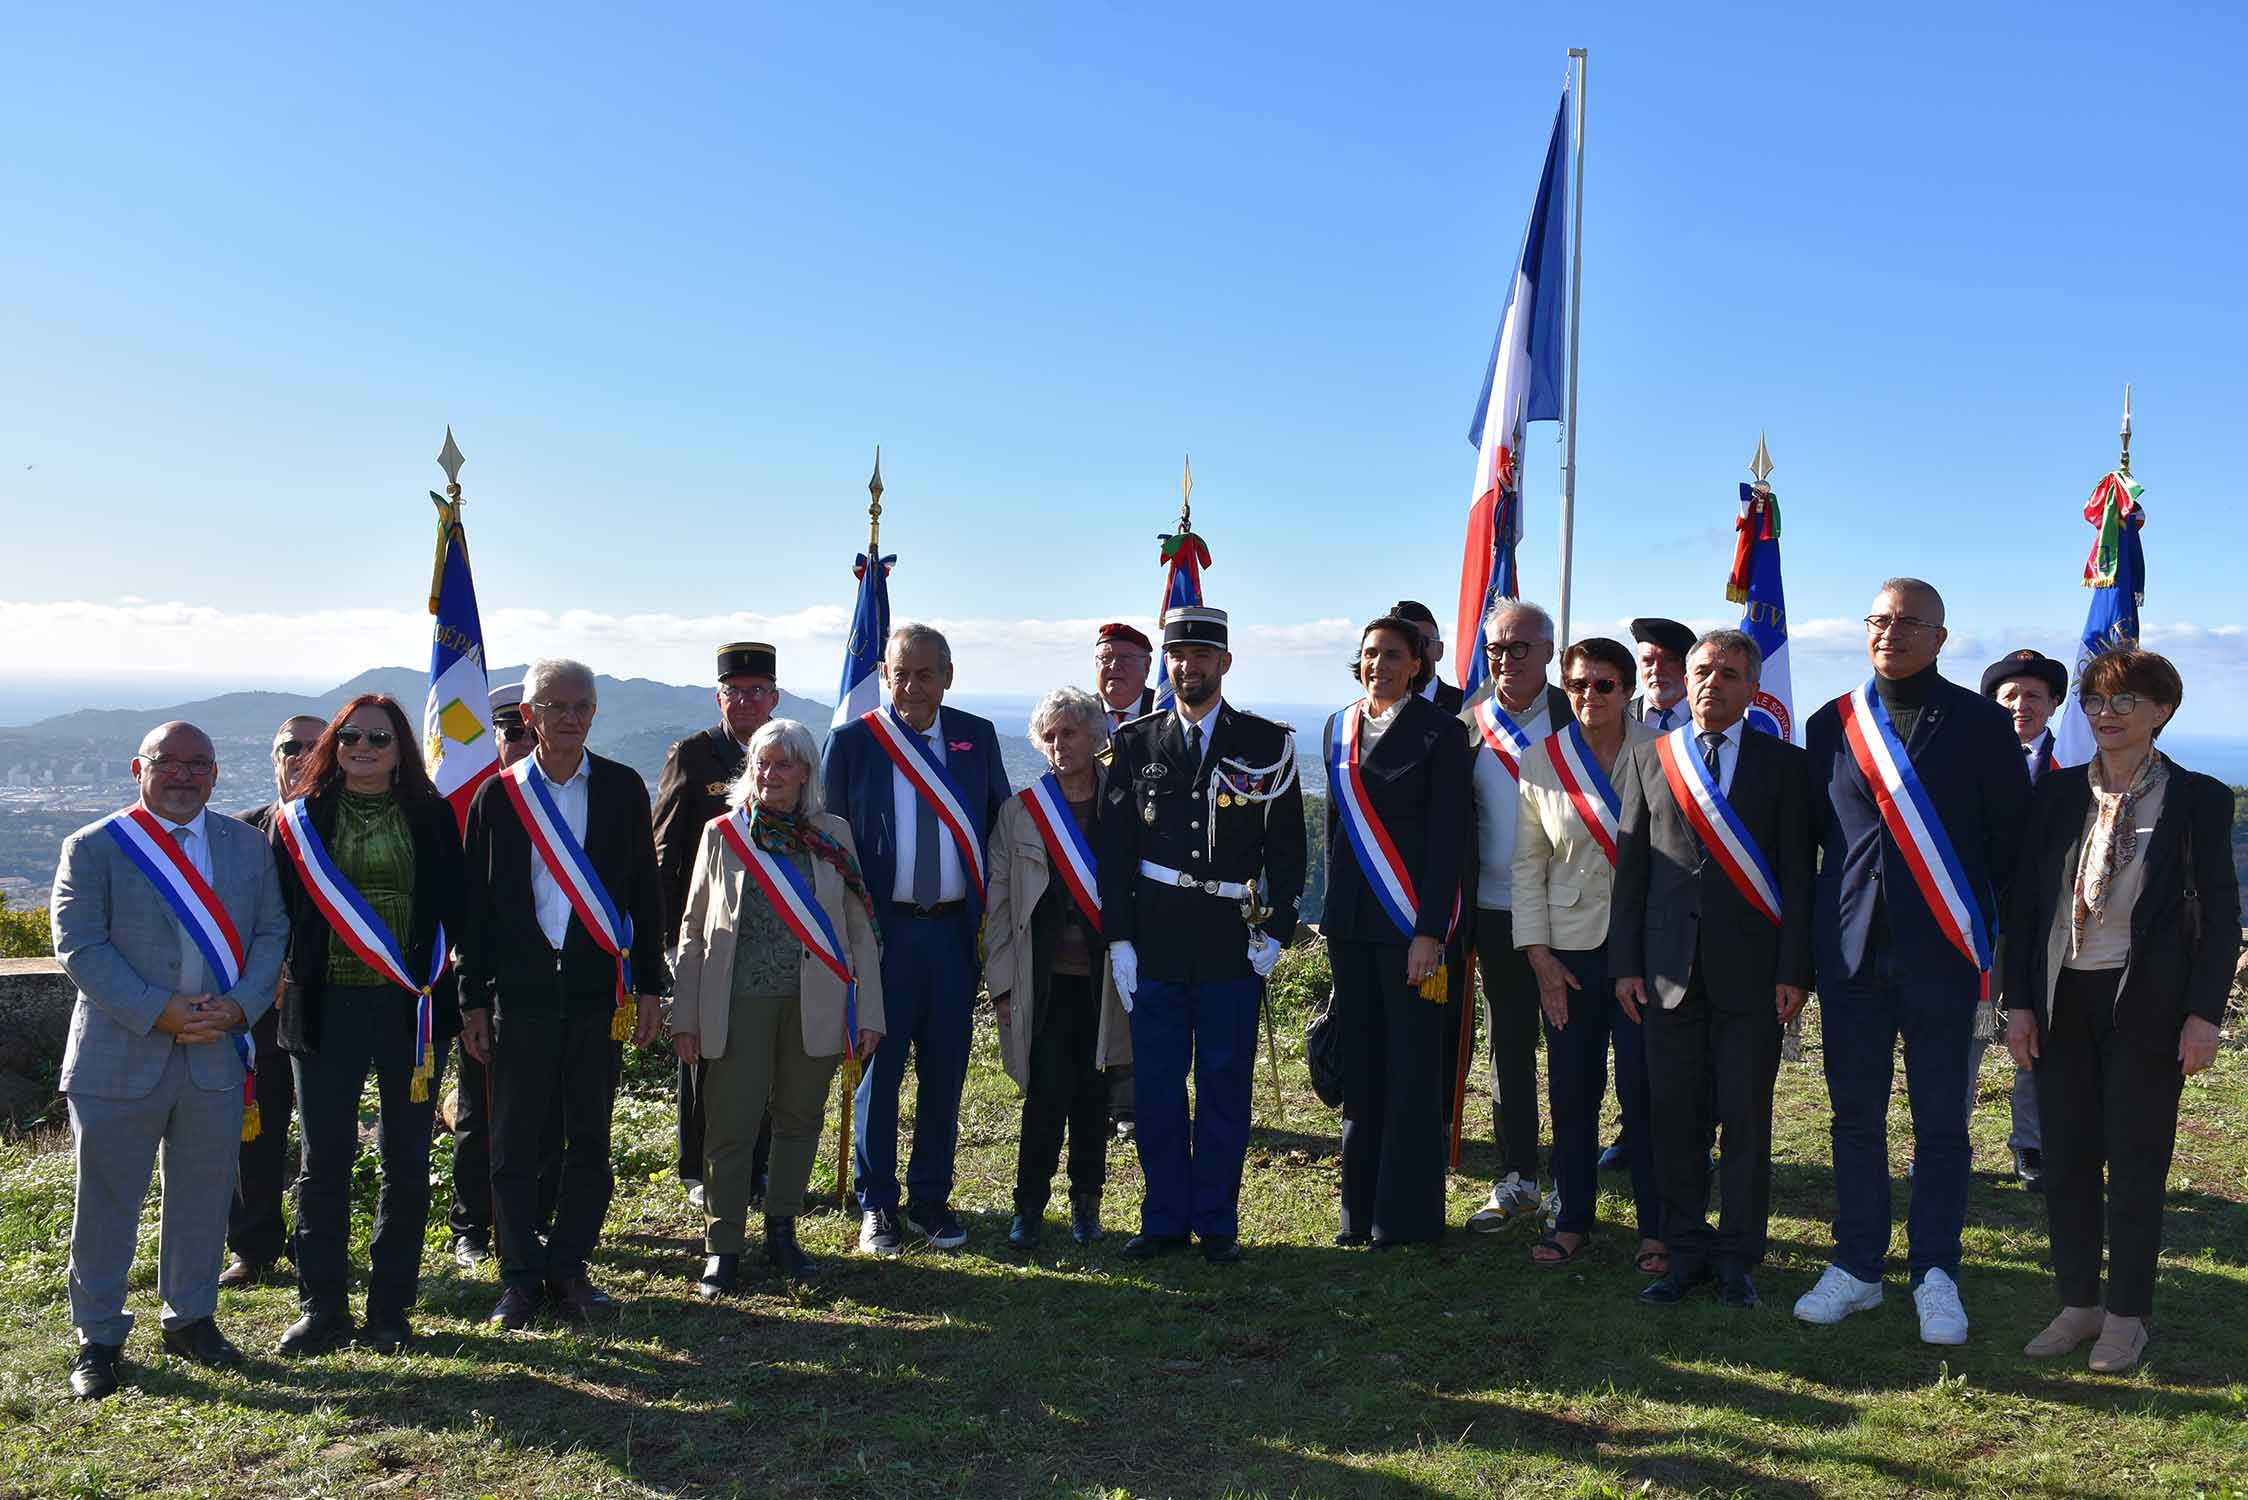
<point x="364" y="838"/>
<point x="1397" y="821"/>
<point x="2121" y="935"/>
<point x="1564" y="874"/>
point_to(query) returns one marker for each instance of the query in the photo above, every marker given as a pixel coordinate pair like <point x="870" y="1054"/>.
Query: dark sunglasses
<point x="515" y="734"/>
<point x="378" y="738"/>
<point x="291" y="749"/>
<point x="1576" y="685"/>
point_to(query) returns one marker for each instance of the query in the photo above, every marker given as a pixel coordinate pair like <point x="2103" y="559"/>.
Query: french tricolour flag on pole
<point x="456" y="718"/>
<point x="860" y="692"/>
<point x="1522" y="384"/>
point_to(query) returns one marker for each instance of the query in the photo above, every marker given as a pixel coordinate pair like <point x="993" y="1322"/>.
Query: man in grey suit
<point x="151" y="1062"/>
<point x="1706" y="964"/>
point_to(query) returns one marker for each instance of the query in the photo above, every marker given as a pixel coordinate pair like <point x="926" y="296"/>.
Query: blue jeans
<point x="1860" y="1020"/>
<point x="1193" y="1168"/>
<point x="928" y="1001"/>
<point x="1576" y="1081"/>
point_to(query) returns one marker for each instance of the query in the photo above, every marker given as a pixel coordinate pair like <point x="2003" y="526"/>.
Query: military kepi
<point x="747" y="659"/>
<point x="1194" y="625"/>
<point x="2027" y="664"/>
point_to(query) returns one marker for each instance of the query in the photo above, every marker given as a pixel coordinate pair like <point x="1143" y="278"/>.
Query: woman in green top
<point x="396" y="843"/>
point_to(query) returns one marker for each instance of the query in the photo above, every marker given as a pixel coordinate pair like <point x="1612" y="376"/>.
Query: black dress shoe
<point x="1735" y="1289"/>
<point x="1673" y="1287"/>
<point x="1351" y="1239"/>
<point x="1616" y="1157"/>
<point x="202" y="1342"/>
<point x="2029" y="1169"/>
<point x="241" y="1273"/>
<point x="784" y="1254"/>
<point x="518" y="1305"/>
<point x="1149" y="1246"/>
<point x="320" y="1331"/>
<point x="93" y="1374"/>
<point x="1221" y="1249"/>
<point x="386" y="1331"/>
<point x="1022" y="1233"/>
<point x="469" y="1252"/>
<point x="721" y="1275"/>
<point x="576" y="1299"/>
<point x="1084" y="1217"/>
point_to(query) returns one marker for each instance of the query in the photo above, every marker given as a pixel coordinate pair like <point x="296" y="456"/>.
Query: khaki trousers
<point x="765" y="1070"/>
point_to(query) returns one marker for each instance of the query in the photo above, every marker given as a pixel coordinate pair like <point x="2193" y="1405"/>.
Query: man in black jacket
<point x="1709" y="946"/>
<point x="697" y="774"/>
<point x="540" y="986"/>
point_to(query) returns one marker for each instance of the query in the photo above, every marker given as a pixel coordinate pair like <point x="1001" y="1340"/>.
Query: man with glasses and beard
<point x="692" y="791"/>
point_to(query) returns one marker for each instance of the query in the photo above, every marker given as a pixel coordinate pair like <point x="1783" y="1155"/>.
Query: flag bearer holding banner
<point x="780" y="979"/>
<point x="1922" y="798"/>
<point x="1710" y="951"/>
<point x="1202" y="821"/>
<point x="561" y="959"/>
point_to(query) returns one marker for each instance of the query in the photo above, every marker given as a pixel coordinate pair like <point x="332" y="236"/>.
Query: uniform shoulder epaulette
<point x="1153" y="713"/>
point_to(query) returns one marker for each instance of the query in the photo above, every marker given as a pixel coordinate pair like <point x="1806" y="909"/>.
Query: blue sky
<point x="671" y="279"/>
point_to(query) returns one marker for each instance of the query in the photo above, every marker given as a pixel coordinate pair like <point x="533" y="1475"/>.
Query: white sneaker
<point x="1512" y="1200"/>
<point x="1837" y="1295"/>
<point x="1942" y="1319"/>
<point x="694" y="1194"/>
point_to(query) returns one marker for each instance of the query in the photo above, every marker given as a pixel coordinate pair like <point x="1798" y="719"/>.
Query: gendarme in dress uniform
<point x="1203" y="799"/>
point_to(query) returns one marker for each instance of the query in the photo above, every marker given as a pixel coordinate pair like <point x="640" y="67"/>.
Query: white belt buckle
<point x="1186" y="881"/>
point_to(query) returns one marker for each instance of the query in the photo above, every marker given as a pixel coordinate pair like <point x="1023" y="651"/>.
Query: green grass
<point x="1305" y="1371"/>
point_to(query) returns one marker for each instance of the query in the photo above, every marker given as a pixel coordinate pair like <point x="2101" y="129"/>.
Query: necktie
<point x="1710" y="743"/>
<point x="1194" y="746"/>
<point x="927" y="880"/>
<point x="191" y="957"/>
<point x="1663" y="722"/>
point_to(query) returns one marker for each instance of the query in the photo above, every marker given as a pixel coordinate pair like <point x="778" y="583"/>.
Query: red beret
<point x="1117" y="630"/>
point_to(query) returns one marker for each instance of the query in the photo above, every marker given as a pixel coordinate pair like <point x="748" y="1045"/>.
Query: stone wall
<point x="35" y="1001"/>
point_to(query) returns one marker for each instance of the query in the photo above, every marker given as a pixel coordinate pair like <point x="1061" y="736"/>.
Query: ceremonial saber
<point x="1254" y="912"/>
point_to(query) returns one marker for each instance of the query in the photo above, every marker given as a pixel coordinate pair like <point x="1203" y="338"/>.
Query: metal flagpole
<point x="851" y="1066"/>
<point x="1576" y="302"/>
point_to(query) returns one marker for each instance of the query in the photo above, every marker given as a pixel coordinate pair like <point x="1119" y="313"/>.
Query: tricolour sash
<point x="1378" y="859"/>
<point x="935" y="786"/>
<point x="1066" y="848"/>
<point x="793" y="900"/>
<point x="557" y="848"/>
<point x="159" y="857"/>
<point x="1912" y="822"/>
<point x="1506" y="739"/>
<point x="363" y="931"/>
<point x="1711" y="816"/>
<point x="1587" y="786"/>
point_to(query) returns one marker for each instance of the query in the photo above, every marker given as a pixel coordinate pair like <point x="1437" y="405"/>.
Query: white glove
<point x="1124" y="963"/>
<point x="1264" y="952"/>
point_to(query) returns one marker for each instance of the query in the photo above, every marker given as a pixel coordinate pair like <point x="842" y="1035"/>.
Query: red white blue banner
<point x="1715" y="823"/>
<point x="794" y="901"/>
<point x="1912" y="822"/>
<point x="934" y="785"/>
<point x="1506" y="739"/>
<point x="1586" y="786"/>
<point x="1066" y="847"/>
<point x="558" y="850"/>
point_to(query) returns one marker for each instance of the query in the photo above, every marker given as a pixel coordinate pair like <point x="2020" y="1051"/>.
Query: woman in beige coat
<point x="1060" y="1021"/>
<point x="752" y="1001"/>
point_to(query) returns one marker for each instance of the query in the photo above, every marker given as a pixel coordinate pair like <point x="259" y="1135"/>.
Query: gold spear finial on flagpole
<point x="874" y="510"/>
<point x="1186" y="496"/>
<point x="2124" y="463"/>
<point x="448" y="510"/>
<point x="1761" y="466"/>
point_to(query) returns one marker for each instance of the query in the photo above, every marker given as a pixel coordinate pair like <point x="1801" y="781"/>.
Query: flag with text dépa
<point x="457" y="715"/>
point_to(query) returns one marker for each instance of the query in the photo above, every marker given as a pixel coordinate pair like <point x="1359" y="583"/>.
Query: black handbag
<point x="1323" y="1053"/>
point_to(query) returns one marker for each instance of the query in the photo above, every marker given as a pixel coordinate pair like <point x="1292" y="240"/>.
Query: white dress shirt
<point x="548" y="898"/>
<point x="1497" y="800"/>
<point x="952" y="881"/>
<point x="1728" y="753"/>
<point x="194" y="839"/>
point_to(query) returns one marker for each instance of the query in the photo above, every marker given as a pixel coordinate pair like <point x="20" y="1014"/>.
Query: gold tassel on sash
<point x="626" y="1019"/>
<point x="843" y="1136"/>
<point x="252" y="1125"/>
<point x="1437" y="987"/>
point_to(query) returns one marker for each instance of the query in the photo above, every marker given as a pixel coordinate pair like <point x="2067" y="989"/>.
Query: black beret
<point x="1673" y="637"/>
<point x="747" y="659"/>
<point x="2027" y="663"/>
<point x="1414" y="610"/>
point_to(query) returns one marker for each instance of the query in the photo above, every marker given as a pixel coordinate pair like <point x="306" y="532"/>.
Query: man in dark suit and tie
<point x="1444" y="695"/>
<point x="1663" y="644"/>
<point x="154" y="1060"/>
<point x="1697" y="955"/>
<point x="1914" y="853"/>
<point x="920" y="784"/>
<point x="697" y="774"/>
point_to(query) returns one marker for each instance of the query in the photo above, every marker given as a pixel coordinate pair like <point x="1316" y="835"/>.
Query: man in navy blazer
<point x="928" y="898"/>
<point x="1886" y="967"/>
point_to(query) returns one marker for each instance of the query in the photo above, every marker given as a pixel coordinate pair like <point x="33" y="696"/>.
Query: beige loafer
<point x="2070" y="1327"/>
<point x="2122" y="1341"/>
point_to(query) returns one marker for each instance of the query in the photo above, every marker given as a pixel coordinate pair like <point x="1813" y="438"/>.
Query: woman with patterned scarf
<point x="2121" y="933"/>
<point x="779" y="975"/>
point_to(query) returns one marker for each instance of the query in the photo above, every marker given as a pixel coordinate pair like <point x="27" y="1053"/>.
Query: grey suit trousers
<point x="197" y="1135"/>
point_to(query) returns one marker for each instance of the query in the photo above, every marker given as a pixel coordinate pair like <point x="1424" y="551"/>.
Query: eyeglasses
<point x="1898" y="625"/>
<point x="194" y="768"/>
<point x="582" y="709"/>
<point x="757" y="694"/>
<point x="514" y="734"/>
<point x="1111" y="658"/>
<point x="1497" y="651"/>
<point x="1578" y="686"/>
<point x="291" y="749"/>
<point x="2119" y="704"/>
<point x="376" y="738"/>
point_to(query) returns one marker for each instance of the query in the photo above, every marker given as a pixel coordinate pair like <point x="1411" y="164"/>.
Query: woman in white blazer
<point x="1564" y="873"/>
<point x="769" y="1017"/>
